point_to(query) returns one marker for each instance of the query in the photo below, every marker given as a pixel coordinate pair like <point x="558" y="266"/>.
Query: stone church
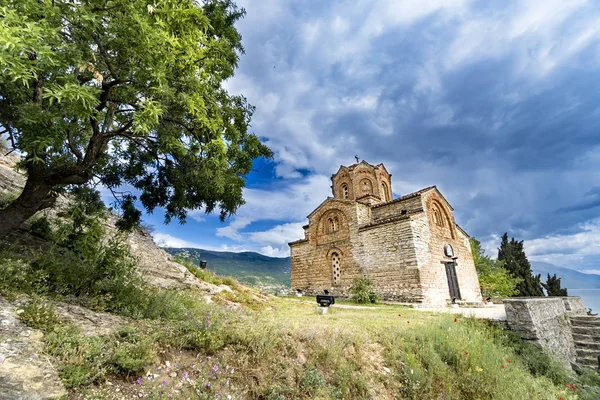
<point x="410" y="247"/>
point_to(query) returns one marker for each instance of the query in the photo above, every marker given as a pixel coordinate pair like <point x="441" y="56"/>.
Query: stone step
<point x="586" y="330"/>
<point x="593" y="353"/>
<point x="588" y="362"/>
<point x="584" y="344"/>
<point x="586" y="338"/>
<point x="585" y="321"/>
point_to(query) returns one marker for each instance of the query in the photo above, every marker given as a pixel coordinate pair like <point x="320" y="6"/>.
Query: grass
<point x="290" y="352"/>
<point x="267" y="348"/>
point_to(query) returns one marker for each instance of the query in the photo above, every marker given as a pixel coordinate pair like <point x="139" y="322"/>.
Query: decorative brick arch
<point x="365" y="185"/>
<point x="439" y="216"/>
<point x="332" y="221"/>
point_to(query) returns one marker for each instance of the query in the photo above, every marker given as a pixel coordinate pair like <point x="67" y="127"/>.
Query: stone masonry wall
<point x="574" y="306"/>
<point x="389" y="210"/>
<point x="543" y="321"/>
<point x="430" y="238"/>
<point x="311" y="262"/>
<point x="387" y="254"/>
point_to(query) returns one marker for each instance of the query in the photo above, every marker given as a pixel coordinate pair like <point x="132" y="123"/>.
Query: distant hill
<point x="249" y="268"/>
<point x="570" y="278"/>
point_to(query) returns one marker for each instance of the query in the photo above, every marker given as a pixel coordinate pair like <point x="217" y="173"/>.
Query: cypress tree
<point x="515" y="261"/>
<point x="552" y="286"/>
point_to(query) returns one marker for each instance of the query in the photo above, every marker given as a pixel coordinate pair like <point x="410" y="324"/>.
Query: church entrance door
<point x="452" y="280"/>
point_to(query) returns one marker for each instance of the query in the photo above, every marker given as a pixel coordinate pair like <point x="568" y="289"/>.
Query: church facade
<point x="410" y="247"/>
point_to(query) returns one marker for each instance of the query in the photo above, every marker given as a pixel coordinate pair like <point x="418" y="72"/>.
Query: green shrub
<point x="362" y="290"/>
<point x="6" y="199"/>
<point x="39" y="314"/>
<point x="41" y="228"/>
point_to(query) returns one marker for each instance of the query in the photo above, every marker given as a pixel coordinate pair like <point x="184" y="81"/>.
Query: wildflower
<point x="163" y="384"/>
<point x="503" y="366"/>
<point x="454" y="319"/>
<point x="478" y="369"/>
<point x="232" y="370"/>
<point x="408" y="322"/>
<point x="207" y="384"/>
<point x="466" y="353"/>
<point x="508" y="361"/>
<point x="227" y="382"/>
<point x="228" y="397"/>
<point x="185" y="375"/>
<point x="139" y="381"/>
<point x="399" y="315"/>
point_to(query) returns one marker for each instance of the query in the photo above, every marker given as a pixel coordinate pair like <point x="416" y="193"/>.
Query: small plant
<point x="362" y="291"/>
<point x="39" y="314"/>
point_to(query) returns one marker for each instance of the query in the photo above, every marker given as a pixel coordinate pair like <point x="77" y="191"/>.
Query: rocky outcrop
<point x="25" y="372"/>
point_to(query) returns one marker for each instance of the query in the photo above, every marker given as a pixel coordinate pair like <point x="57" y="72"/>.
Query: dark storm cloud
<point x="497" y="105"/>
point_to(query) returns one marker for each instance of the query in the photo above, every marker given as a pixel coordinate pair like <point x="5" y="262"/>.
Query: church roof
<point x="415" y="194"/>
<point x="351" y="167"/>
<point x="407" y="196"/>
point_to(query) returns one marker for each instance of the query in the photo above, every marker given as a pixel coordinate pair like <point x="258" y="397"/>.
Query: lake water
<point x="591" y="298"/>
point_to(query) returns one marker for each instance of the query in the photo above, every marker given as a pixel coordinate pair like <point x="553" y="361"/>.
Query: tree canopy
<point x="512" y="254"/>
<point x="125" y="92"/>
<point x="552" y="286"/>
<point x="494" y="279"/>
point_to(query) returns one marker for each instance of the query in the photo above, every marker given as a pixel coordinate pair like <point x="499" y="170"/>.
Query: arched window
<point x="330" y="225"/>
<point x="437" y="217"/>
<point x="336" y="224"/>
<point x="386" y="193"/>
<point x="335" y="268"/>
<point x="345" y="192"/>
<point x="366" y="186"/>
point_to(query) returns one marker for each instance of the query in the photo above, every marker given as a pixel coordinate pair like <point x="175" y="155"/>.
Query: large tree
<point x="513" y="256"/>
<point x="552" y="286"/>
<point x="125" y="92"/>
<point x="494" y="279"/>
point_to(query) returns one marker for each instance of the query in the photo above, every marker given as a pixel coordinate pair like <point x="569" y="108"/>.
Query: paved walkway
<point x="494" y="312"/>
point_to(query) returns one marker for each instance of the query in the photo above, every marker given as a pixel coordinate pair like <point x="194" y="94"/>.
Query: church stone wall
<point x="311" y="262"/>
<point x="433" y="270"/>
<point x="401" y="253"/>
<point x="385" y="211"/>
<point x="386" y="253"/>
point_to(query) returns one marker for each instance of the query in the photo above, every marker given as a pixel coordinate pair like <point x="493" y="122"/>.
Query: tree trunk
<point x="36" y="196"/>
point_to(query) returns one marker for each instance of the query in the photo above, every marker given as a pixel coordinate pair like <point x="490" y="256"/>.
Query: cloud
<point x="575" y="250"/>
<point x="166" y="240"/>
<point x="292" y="202"/>
<point x="591" y="271"/>
<point x="493" y="102"/>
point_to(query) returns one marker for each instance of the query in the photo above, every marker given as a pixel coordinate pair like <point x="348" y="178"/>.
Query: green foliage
<point x="41" y="228"/>
<point x="512" y="254"/>
<point x="362" y="290"/>
<point x="87" y="360"/>
<point x="85" y="261"/>
<point x="494" y="279"/>
<point x="39" y="314"/>
<point x="552" y="286"/>
<point x="130" y="93"/>
<point x="6" y="199"/>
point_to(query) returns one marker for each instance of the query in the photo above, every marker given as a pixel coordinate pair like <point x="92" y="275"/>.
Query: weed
<point x="362" y="290"/>
<point x="39" y="314"/>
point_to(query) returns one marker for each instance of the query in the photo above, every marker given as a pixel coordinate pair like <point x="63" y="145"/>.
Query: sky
<point x="496" y="103"/>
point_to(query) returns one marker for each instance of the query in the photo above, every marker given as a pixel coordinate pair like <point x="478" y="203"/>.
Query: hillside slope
<point x="248" y="267"/>
<point x="570" y="278"/>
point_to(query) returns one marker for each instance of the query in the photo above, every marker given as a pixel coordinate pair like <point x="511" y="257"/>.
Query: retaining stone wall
<point x="543" y="321"/>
